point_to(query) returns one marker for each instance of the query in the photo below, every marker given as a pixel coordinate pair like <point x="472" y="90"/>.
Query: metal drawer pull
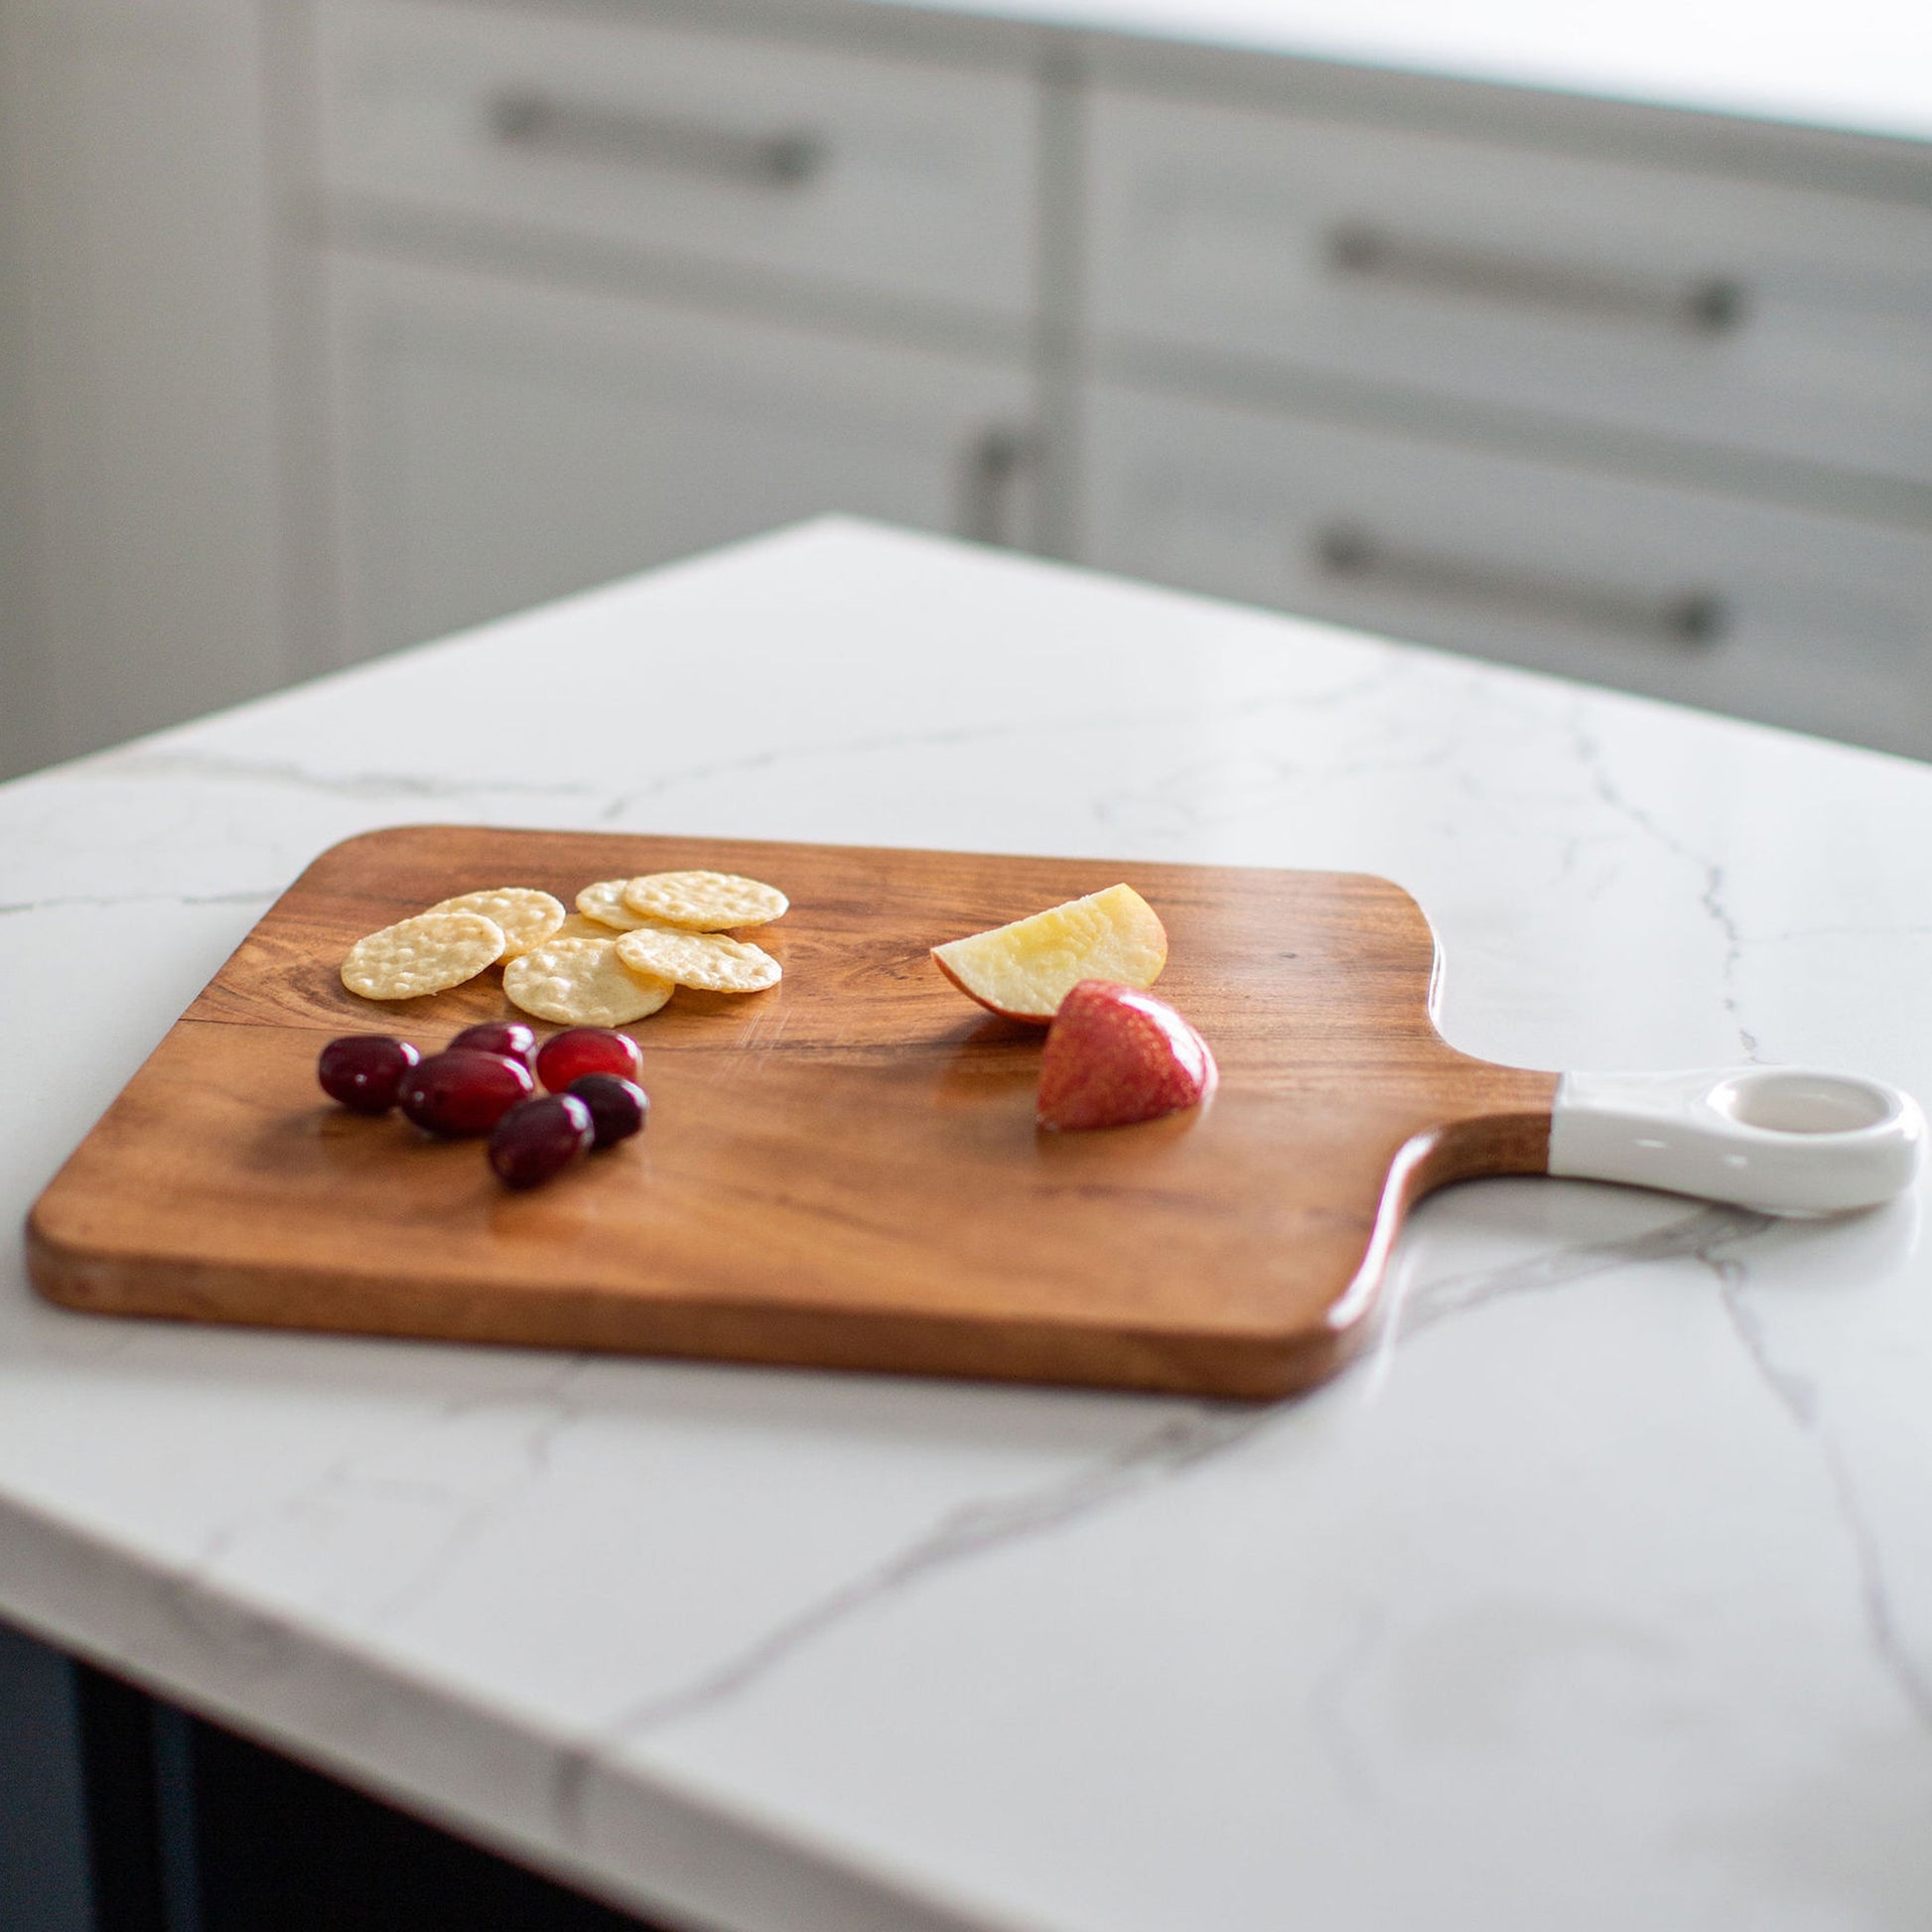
<point x="995" y="465"/>
<point x="1689" y="618"/>
<point x="526" y="117"/>
<point x="1704" y="304"/>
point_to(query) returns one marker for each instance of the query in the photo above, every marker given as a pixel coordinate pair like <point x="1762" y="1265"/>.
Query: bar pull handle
<point x="536" y="122"/>
<point x="1697" y="305"/>
<point x="994" y="469"/>
<point x="1350" y="554"/>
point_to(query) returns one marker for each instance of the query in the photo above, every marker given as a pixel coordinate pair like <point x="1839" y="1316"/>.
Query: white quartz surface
<point x="1864" y="66"/>
<point x="1598" y="1595"/>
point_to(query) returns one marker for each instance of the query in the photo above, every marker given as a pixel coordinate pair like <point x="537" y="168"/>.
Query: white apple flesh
<point x="1024" y="971"/>
<point x="1115" y="1054"/>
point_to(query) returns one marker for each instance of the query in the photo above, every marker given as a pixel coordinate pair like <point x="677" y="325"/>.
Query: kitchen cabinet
<point x="1625" y="291"/>
<point x="883" y="177"/>
<point x="1630" y="397"/>
<point x="18" y="727"/>
<point x="44" y="1877"/>
<point x="327" y="324"/>
<point x="504" y="444"/>
<point x="142" y="550"/>
<point x="1795" y="618"/>
<point x="603" y="293"/>
<point x="121" y="1813"/>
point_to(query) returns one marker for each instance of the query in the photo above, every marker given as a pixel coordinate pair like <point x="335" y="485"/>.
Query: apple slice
<point x="1115" y="1054"/>
<point x="1024" y="970"/>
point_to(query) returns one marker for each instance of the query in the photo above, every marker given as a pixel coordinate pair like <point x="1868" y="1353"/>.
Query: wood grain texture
<point x="842" y="1172"/>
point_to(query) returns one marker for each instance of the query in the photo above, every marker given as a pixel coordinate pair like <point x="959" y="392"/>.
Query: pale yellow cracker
<point x="427" y="954"/>
<point x="577" y="927"/>
<point x="528" y="916"/>
<point x="582" y="983"/>
<point x="706" y="901"/>
<point x="604" y="902"/>
<point x="705" y="960"/>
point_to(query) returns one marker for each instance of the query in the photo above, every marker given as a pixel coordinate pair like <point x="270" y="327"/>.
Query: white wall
<point x="138" y="291"/>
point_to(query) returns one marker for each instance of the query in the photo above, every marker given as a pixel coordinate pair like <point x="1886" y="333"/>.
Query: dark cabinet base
<point x="122" y="1814"/>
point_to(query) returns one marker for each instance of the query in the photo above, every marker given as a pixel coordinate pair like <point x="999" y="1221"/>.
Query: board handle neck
<point x="1788" y="1140"/>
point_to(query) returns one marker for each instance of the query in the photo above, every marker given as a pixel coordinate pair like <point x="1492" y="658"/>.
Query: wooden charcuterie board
<point x="843" y="1171"/>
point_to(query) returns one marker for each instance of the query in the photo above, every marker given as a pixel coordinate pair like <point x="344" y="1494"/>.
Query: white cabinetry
<point x="600" y="293"/>
<point x="143" y="560"/>
<point x="18" y="701"/>
<point x="1660" y="420"/>
<point x="1794" y="618"/>
<point x="545" y="291"/>
<point x="1785" y="321"/>
<point x="504" y="444"/>
<point x="849" y="170"/>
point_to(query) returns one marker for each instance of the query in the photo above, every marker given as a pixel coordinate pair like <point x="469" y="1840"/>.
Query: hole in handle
<point x="1780" y="1102"/>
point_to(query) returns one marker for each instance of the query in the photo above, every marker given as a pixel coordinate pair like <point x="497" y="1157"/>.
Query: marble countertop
<point x="1597" y="1594"/>
<point x="1864" y="67"/>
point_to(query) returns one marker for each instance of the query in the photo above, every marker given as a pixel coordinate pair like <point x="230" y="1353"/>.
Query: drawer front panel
<point x="501" y="445"/>
<point x="1743" y="315"/>
<point x="1814" y="623"/>
<point x="884" y="174"/>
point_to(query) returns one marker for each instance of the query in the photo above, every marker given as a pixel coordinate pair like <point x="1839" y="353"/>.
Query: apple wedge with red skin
<point x="1114" y="1055"/>
<point x="1024" y="971"/>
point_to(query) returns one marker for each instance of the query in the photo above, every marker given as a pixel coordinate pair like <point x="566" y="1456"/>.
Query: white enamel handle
<point x="1787" y="1139"/>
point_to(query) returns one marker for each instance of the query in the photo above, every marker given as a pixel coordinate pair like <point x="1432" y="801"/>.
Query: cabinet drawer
<point x="1814" y="623"/>
<point x="499" y="445"/>
<point x="892" y="175"/>
<point x="1743" y="315"/>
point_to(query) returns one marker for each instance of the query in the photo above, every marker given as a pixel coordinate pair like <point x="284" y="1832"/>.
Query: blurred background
<point x="1603" y="346"/>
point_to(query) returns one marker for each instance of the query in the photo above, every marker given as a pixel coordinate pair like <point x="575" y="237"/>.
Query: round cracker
<point x="582" y="983"/>
<point x="577" y="927"/>
<point x="528" y="916"/>
<point x="705" y="960"/>
<point x="427" y="954"/>
<point x="705" y="902"/>
<point x="604" y="902"/>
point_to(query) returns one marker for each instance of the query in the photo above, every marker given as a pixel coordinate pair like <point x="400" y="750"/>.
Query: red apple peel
<point x="1115" y="1054"/>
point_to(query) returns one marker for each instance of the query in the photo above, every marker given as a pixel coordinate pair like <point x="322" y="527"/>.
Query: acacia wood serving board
<point x="843" y="1171"/>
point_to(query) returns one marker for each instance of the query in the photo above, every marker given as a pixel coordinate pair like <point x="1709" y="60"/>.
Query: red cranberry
<point x="510" y="1037"/>
<point x="462" y="1093"/>
<point x="540" y="1137"/>
<point x="364" y="1070"/>
<point x="577" y="1051"/>
<point x="618" y="1106"/>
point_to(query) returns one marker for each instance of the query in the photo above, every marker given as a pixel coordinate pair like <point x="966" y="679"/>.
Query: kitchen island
<point x="1597" y="1593"/>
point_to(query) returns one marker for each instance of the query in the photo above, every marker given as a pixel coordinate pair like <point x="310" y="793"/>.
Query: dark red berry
<point x="461" y="1091"/>
<point x="567" y="1057"/>
<point x="540" y="1137"/>
<point x="618" y="1106"/>
<point x="364" y="1070"/>
<point x="510" y="1037"/>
